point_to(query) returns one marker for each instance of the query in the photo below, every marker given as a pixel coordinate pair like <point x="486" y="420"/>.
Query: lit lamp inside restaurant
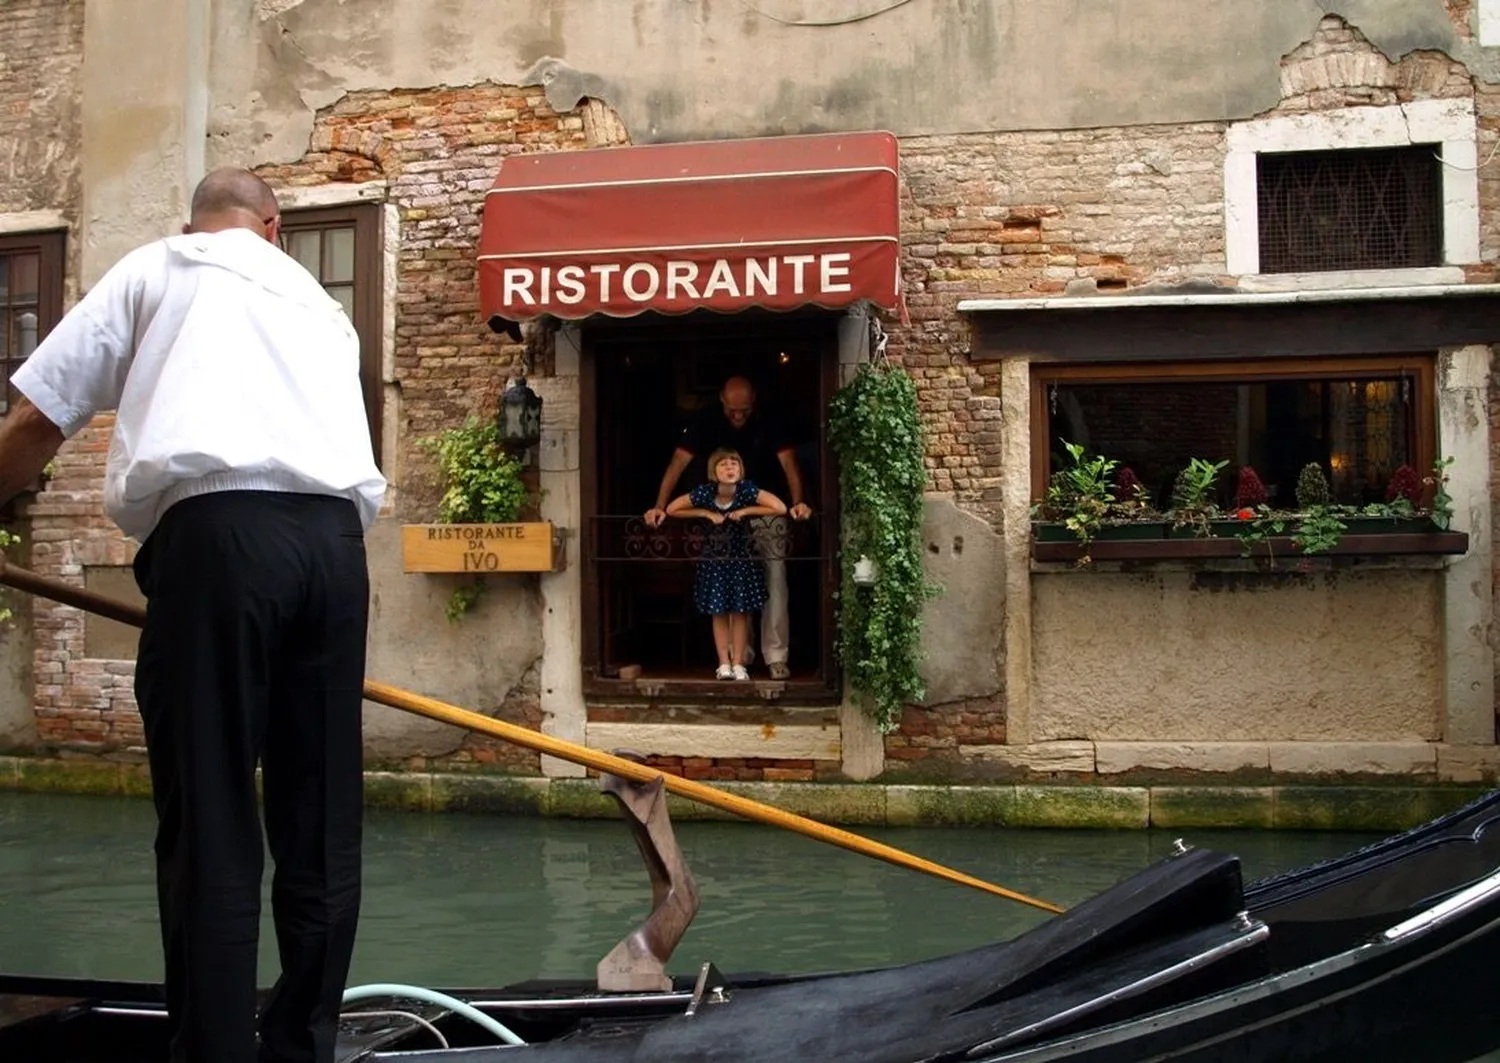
<point x="520" y="416"/>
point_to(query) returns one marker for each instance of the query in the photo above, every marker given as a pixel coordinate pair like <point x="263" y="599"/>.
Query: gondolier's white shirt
<point x="230" y="368"/>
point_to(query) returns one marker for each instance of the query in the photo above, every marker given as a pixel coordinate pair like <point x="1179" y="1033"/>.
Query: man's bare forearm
<point x="680" y="459"/>
<point x="28" y="441"/>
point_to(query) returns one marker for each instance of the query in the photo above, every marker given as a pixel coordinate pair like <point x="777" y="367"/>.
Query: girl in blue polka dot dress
<point x="731" y="582"/>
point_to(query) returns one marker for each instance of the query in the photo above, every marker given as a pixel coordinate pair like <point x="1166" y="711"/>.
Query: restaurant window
<point x="31" y="286"/>
<point x="1358" y="418"/>
<point x="340" y="246"/>
<point x="1350" y="209"/>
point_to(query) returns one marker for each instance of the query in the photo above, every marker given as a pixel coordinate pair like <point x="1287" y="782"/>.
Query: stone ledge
<point x="751" y="741"/>
<point x="1042" y="757"/>
<point x="1353" y="758"/>
<point x="1115" y="758"/>
<point x="1306" y="807"/>
<point x="1468" y="764"/>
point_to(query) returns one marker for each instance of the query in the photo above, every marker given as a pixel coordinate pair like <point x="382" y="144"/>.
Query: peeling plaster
<point x="678" y="71"/>
<point x="269" y="9"/>
<point x="566" y="87"/>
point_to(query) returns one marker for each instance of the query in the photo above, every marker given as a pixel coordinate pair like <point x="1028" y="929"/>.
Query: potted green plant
<point x="1194" y="507"/>
<point x="1319" y="525"/>
<point x="1077" y="499"/>
<point x="478" y="531"/>
<point x="1094" y="498"/>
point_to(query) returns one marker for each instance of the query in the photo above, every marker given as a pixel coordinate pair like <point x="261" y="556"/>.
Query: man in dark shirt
<point x="770" y="459"/>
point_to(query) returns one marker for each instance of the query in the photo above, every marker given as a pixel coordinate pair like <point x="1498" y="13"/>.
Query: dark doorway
<point x="643" y="382"/>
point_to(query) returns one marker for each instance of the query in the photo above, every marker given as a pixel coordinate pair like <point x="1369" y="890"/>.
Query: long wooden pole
<point x="25" y="580"/>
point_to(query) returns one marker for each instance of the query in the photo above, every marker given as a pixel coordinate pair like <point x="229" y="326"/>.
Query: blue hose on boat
<point x="429" y="996"/>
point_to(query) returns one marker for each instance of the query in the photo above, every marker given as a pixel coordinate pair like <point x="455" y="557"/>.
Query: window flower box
<point x="1394" y="539"/>
<point x="1056" y="532"/>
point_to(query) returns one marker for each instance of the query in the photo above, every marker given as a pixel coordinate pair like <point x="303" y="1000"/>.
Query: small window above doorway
<point x="1374" y="208"/>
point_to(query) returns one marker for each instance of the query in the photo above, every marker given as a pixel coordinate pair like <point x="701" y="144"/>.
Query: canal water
<point x="453" y="900"/>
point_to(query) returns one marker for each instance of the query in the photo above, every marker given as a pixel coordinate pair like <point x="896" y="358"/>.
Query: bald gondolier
<point x="241" y="460"/>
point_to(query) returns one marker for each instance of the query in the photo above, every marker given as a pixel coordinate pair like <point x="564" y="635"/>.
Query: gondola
<point x="1387" y="953"/>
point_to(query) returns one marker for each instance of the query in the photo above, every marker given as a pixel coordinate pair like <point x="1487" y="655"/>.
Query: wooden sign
<point x="477" y="548"/>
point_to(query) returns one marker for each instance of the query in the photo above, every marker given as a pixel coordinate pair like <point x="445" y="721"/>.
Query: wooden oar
<point x="25" y="580"/>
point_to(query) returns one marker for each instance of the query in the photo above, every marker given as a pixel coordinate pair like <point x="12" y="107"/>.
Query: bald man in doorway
<point x="770" y="460"/>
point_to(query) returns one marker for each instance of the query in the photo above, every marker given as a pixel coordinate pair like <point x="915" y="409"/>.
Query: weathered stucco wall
<point x="932" y="66"/>
<point x="1223" y="657"/>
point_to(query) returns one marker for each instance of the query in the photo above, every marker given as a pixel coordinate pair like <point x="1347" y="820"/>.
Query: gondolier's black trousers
<point x="254" y="651"/>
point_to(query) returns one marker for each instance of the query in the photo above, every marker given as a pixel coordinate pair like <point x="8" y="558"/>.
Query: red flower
<point x="1246" y="514"/>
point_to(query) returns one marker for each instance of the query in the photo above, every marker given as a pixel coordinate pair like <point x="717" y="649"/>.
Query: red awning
<point x="778" y="223"/>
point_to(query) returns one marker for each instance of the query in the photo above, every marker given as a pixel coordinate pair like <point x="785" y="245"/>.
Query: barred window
<point x="1365" y="208"/>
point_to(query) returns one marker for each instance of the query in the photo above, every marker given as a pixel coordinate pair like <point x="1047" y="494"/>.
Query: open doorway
<point x="643" y="381"/>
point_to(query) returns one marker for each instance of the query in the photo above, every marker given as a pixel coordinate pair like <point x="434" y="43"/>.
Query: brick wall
<point x="1040" y="213"/>
<point x="1339" y="67"/>
<point x="439" y="151"/>
<point x="81" y="703"/>
<point x="41" y="57"/>
<point x="40" y="124"/>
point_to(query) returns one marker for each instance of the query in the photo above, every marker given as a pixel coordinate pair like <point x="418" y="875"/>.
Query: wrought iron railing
<point x="622" y="538"/>
<point x="640" y="580"/>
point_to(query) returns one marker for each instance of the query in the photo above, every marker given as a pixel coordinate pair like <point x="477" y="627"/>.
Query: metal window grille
<point x="1367" y="208"/>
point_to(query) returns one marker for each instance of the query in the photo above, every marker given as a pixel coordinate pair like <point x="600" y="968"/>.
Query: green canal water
<point x="481" y="900"/>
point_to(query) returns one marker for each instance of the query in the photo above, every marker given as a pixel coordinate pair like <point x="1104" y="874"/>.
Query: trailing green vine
<point x="481" y="484"/>
<point x="876" y="431"/>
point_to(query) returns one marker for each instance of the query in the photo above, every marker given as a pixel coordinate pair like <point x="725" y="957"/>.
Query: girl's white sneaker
<point x="725" y="672"/>
<point x="739" y="672"/>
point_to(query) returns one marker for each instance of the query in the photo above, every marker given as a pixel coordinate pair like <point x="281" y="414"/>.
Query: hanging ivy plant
<point x="481" y="485"/>
<point x="876" y="431"/>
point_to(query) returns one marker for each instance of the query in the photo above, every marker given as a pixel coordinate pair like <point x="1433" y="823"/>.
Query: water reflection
<point x="475" y="900"/>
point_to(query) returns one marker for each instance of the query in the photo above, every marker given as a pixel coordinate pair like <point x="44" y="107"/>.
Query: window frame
<point x="369" y="288"/>
<point x="1421" y="366"/>
<point x="1449" y="122"/>
<point x="50" y="247"/>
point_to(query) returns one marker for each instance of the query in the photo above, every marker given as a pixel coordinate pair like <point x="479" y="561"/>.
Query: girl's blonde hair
<point x="722" y="454"/>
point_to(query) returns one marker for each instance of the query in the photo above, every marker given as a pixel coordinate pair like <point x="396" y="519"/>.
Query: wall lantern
<point x="520" y="416"/>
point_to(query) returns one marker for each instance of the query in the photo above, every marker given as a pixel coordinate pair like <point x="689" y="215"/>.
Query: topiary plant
<point x="1128" y="486"/>
<point x="1312" y="487"/>
<point x="1249" y="492"/>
